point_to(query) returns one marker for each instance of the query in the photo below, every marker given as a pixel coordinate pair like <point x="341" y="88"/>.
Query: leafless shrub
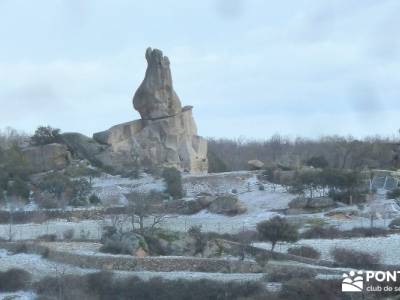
<point x="355" y="259"/>
<point x="285" y="274"/>
<point x="305" y="251"/>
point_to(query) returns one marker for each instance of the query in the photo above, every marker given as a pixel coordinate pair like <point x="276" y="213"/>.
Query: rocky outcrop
<point x="155" y="98"/>
<point x="320" y="202"/>
<point x="255" y="164"/>
<point x="312" y="203"/>
<point x="47" y="157"/>
<point x="164" y="142"/>
<point x="123" y="242"/>
<point x="227" y="205"/>
<point x="298" y="203"/>
<point x="166" y="136"/>
<point x="82" y="146"/>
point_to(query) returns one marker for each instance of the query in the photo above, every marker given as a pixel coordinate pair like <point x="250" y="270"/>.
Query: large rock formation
<point x="155" y="98"/>
<point x="47" y="157"/>
<point x="166" y="134"/>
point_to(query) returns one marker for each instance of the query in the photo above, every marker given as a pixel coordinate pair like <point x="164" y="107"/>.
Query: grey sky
<point x="249" y="67"/>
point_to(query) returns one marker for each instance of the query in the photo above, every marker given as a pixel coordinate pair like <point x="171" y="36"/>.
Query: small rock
<point x="205" y="201"/>
<point x="122" y="243"/>
<point x="320" y="202"/>
<point x="298" y="203"/>
<point x="255" y="164"/>
<point x="227" y="205"/>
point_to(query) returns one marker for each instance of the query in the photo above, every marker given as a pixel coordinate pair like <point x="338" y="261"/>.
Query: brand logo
<point x="353" y="282"/>
<point x="373" y="281"/>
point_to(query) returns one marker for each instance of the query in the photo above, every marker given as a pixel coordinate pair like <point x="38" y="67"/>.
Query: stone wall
<point x="155" y="264"/>
<point x="254" y="251"/>
<point x="23" y="217"/>
<point x="131" y="263"/>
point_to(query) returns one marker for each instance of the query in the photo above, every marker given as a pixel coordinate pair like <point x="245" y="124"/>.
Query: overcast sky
<point x="250" y="68"/>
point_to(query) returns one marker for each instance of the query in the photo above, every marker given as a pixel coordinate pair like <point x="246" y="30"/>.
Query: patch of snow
<point x="21" y="295"/>
<point x="91" y="229"/>
<point x="386" y="247"/>
<point x="38" y="266"/>
<point x="259" y="206"/>
<point x="219" y="183"/>
<point x="274" y="287"/>
<point x="112" y="189"/>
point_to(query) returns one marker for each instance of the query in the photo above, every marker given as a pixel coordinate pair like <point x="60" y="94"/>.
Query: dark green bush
<point x="81" y="189"/>
<point x="62" y="187"/>
<point x="393" y="194"/>
<point x="215" y="163"/>
<point x="56" y="184"/>
<point x="14" y="280"/>
<point x="318" y="161"/>
<point x="199" y="237"/>
<point x="94" y="199"/>
<point x="14" y="174"/>
<point x="173" y="180"/>
<point x="18" y="188"/>
<point x="277" y="229"/>
<point x="20" y="247"/>
<point x="2" y="198"/>
<point x="45" y="135"/>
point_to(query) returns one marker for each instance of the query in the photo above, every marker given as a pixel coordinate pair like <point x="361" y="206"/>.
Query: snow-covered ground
<point x="112" y="189"/>
<point x="219" y="183"/>
<point x="387" y="247"/>
<point x="36" y="265"/>
<point x="22" y="295"/>
<point x="260" y="206"/>
<point x="91" y="229"/>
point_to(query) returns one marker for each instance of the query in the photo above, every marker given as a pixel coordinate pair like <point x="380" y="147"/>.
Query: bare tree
<point x="144" y="206"/>
<point x="11" y="208"/>
<point x="340" y="152"/>
<point x="9" y="137"/>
